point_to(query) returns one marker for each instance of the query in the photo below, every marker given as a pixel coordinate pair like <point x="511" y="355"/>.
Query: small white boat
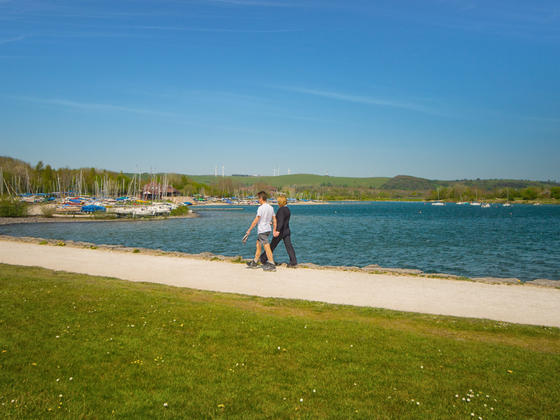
<point x="485" y="206"/>
<point x="475" y="203"/>
<point x="438" y="203"/>
<point x="142" y="211"/>
<point x="506" y="205"/>
<point x="461" y="203"/>
<point x="123" y="210"/>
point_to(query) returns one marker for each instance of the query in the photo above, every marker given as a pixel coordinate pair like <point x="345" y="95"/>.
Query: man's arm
<point x="274" y="223"/>
<point x="255" y="221"/>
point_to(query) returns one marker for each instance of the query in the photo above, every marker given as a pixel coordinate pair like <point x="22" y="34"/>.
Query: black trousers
<point x="289" y="248"/>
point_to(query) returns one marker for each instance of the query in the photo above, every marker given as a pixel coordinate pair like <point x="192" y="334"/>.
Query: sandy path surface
<point x="510" y="303"/>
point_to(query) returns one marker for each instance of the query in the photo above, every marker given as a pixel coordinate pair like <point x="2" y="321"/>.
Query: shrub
<point x="180" y="211"/>
<point x="48" y="210"/>
<point x="12" y="208"/>
<point x="529" y="193"/>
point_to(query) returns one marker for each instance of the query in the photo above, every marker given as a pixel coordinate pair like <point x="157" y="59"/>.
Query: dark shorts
<point x="262" y="238"/>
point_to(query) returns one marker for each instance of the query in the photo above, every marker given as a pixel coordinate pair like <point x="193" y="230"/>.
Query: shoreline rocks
<point x="371" y="269"/>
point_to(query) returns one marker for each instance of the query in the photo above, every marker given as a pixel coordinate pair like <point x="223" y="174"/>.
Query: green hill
<point x="405" y="182"/>
<point x="15" y="166"/>
<point x="309" y="180"/>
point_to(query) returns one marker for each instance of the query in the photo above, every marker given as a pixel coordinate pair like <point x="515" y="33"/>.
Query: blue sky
<point x="442" y="89"/>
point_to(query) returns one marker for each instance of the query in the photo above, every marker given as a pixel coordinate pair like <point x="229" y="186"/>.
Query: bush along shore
<point x="372" y="268"/>
<point x="77" y="346"/>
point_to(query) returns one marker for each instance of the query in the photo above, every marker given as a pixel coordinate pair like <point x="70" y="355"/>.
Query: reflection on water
<point x="520" y="241"/>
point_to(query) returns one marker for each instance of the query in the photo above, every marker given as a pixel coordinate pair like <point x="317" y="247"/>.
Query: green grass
<point x="76" y="346"/>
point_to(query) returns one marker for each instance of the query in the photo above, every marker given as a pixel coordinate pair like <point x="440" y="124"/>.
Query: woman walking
<point x="282" y="232"/>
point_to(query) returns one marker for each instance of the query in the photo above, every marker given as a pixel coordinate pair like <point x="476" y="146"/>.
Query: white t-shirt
<point x="265" y="211"/>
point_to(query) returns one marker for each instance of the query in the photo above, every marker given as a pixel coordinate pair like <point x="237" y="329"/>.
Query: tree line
<point x="18" y="177"/>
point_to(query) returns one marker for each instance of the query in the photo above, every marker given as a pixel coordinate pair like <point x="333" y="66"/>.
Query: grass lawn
<point x="76" y="346"/>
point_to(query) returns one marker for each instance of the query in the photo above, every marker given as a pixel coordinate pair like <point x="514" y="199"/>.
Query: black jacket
<point x="283" y="221"/>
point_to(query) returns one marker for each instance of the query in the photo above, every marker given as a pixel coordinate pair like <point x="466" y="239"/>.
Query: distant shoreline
<point x="86" y="219"/>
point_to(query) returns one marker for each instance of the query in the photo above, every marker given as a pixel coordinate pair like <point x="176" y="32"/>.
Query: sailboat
<point x="475" y="203"/>
<point x="438" y="203"/>
<point x="507" y="203"/>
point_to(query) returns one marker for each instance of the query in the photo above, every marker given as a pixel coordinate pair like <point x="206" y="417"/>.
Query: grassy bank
<point x="75" y="346"/>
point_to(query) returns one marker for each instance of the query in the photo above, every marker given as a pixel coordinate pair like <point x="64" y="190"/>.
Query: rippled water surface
<point x="521" y="241"/>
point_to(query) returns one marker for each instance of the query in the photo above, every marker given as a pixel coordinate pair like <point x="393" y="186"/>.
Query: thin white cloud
<point x="87" y="106"/>
<point x="95" y="35"/>
<point x="94" y="106"/>
<point x="362" y="99"/>
<point x="543" y="119"/>
<point x="187" y="29"/>
<point x="14" y="39"/>
<point x="258" y="3"/>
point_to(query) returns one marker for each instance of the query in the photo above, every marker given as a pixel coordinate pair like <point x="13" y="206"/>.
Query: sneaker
<point x="269" y="267"/>
<point x="290" y="265"/>
<point x="252" y="264"/>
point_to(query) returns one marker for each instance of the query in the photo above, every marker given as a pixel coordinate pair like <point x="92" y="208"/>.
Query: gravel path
<point x="523" y="304"/>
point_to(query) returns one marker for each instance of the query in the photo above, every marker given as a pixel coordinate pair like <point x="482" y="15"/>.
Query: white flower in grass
<point x="165" y="404"/>
<point x="70" y="378"/>
<point x="301" y="400"/>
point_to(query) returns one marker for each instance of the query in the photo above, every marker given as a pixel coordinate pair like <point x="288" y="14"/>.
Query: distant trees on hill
<point x="17" y="177"/>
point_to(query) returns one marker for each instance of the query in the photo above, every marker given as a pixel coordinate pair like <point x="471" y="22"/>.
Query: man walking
<point x="264" y="219"/>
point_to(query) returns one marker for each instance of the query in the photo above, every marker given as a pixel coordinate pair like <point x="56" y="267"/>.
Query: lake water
<point x="522" y="241"/>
